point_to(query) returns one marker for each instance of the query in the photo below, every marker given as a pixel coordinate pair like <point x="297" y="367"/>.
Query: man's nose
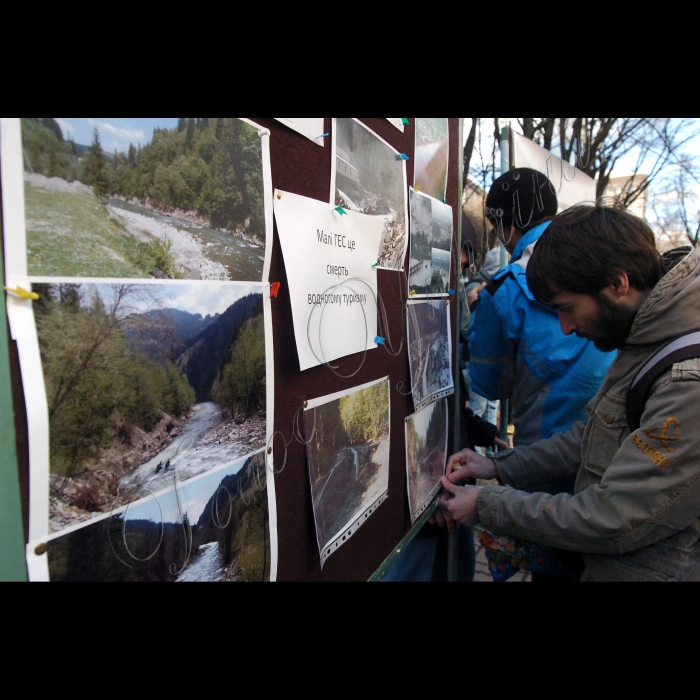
<point x="567" y="324"/>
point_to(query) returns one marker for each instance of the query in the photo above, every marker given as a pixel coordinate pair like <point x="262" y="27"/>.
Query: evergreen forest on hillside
<point x="210" y="166"/>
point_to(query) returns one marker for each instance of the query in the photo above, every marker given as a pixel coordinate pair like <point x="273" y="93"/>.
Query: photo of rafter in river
<point x="432" y="156"/>
<point x="214" y="527"/>
<point x="429" y="351"/>
<point x="145" y="380"/>
<point x="347" y="453"/>
<point x="368" y="176"/>
<point x="426" y="454"/>
<point x="169" y="198"/>
<point x="431" y="246"/>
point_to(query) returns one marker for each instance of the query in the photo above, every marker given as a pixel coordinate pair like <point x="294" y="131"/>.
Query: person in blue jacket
<point x="518" y="350"/>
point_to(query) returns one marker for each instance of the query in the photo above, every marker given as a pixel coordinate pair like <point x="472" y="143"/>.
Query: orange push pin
<point x="274" y="289"/>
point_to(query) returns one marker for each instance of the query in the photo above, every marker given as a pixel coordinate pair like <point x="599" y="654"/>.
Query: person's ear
<point x="618" y="284"/>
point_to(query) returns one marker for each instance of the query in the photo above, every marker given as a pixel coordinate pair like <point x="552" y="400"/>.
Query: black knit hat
<point x="520" y="198"/>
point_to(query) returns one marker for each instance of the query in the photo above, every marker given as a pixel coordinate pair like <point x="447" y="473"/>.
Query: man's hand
<point x="458" y="504"/>
<point x="467" y="464"/>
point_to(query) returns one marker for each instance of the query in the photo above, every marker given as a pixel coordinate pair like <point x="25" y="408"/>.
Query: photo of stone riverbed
<point x="146" y="384"/>
<point x="370" y="178"/>
<point x="426" y="453"/>
<point x="348" y="457"/>
<point x="184" y="203"/>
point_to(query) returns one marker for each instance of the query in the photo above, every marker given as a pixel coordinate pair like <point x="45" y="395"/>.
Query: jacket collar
<point x="527" y="242"/>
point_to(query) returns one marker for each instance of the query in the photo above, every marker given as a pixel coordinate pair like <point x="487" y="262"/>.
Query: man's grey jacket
<point x="635" y="514"/>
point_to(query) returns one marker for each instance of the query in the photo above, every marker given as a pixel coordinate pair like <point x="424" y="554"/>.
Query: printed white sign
<point x="571" y="185"/>
<point x="332" y="284"/>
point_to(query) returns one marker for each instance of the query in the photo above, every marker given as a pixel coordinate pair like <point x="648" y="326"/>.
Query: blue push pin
<point x="402" y="156"/>
<point x="379" y="341"/>
<point x="322" y="136"/>
<point x="452" y="292"/>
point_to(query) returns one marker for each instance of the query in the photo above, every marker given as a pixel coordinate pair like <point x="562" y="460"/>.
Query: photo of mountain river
<point x="145" y="384"/>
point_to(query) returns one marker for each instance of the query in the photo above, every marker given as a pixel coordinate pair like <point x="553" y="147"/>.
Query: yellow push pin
<point x="22" y="293"/>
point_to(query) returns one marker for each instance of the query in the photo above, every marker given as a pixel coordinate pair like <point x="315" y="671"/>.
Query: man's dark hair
<point x="582" y="248"/>
<point x="523" y="198"/>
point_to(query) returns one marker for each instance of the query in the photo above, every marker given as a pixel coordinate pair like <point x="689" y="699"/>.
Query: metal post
<point x="505" y="167"/>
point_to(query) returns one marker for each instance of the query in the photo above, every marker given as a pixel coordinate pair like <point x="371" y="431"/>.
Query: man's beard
<point x="613" y="324"/>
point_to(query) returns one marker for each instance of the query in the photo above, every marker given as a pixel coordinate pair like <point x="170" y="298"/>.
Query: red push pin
<point x="274" y="288"/>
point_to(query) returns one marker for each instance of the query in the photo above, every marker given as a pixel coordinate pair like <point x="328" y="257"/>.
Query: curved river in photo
<point x="243" y="260"/>
<point x="182" y="453"/>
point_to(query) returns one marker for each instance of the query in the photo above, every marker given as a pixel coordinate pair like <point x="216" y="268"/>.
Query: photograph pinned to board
<point x="146" y="384"/>
<point x="311" y="127"/>
<point x="432" y="156"/>
<point x="369" y="176"/>
<point x="426" y="455"/>
<point x="431" y="246"/>
<point x="167" y="198"/>
<point x="429" y="351"/>
<point x="347" y="452"/>
<point x="212" y="528"/>
<point x="398" y="122"/>
<point x="329" y="259"/>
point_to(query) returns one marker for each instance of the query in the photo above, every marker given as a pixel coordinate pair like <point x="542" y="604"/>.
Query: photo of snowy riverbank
<point x="184" y="203"/>
<point x="210" y="528"/>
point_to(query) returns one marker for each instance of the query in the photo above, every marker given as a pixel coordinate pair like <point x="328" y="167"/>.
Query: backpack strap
<point x="682" y="347"/>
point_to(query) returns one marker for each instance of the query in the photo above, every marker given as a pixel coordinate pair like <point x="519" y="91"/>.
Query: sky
<point x="116" y="133"/>
<point x="625" y="166"/>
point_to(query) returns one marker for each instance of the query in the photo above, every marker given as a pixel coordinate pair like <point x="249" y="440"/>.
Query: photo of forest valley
<point x="213" y="528"/>
<point x="370" y="179"/>
<point x="432" y="156"/>
<point x="426" y="453"/>
<point x="429" y="350"/>
<point x="146" y="384"/>
<point x="348" y="457"/>
<point x="431" y="245"/>
<point x="186" y="204"/>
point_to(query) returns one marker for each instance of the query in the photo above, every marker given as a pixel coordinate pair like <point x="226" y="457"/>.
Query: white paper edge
<point x="431" y="496"/>
<point x="442" y="295"/>
<point x="269" y="353"/>
<point x="322" y="400"/>
<point x="400" y="127"/>
<point x="447" y="169"/>
<point x="318" y="140"/>
<point x="447" y="391"/>
<point x="334" y="132"/>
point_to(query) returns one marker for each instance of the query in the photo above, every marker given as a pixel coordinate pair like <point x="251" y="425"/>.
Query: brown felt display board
<point x="301" y="167"/>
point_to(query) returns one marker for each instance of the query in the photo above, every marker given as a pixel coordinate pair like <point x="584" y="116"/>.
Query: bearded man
<point x="635" y="512"/>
